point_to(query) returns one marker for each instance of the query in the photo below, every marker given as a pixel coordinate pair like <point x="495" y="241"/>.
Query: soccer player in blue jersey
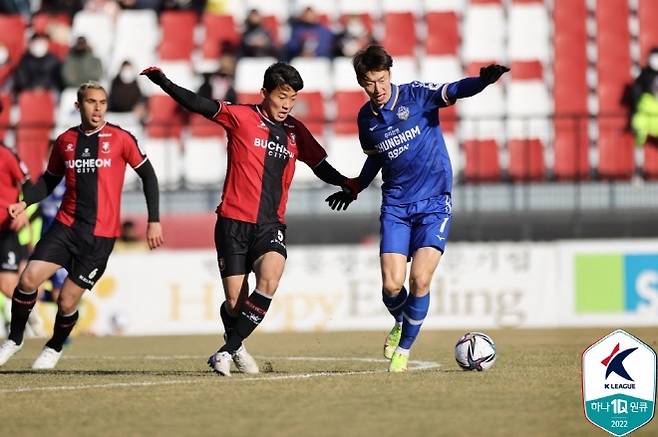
<point x="399" y="130"/>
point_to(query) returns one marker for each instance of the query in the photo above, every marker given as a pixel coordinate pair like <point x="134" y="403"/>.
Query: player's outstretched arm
<point x="186" y="98"/>
<point x="154" y="236"/>
<point x="470" y="86"/>
<point x="340" y="200"/>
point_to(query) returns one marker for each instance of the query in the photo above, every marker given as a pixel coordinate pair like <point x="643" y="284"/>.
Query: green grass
<point x="134" y="386"/>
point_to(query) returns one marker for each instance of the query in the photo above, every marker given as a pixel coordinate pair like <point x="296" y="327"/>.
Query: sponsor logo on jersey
<point x="105" y="147"/>
<point x="397" y="142"/>
<point x="69" y="148"/>
<point x="273" y="148"/>
<point x="87" y="165"/>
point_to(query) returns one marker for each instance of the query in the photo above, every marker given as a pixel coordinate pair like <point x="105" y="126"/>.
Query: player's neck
<point x="90" y="130"/>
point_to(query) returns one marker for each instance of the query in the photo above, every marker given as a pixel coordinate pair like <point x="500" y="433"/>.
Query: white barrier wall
<point x="477" y="285"/>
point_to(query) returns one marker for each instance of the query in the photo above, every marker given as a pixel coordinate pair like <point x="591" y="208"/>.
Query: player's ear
<point x="77" y="105"/>
<point x="264" y="93"/>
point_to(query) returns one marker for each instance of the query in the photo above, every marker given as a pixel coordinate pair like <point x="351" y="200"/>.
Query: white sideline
<point x="414" y="365"/>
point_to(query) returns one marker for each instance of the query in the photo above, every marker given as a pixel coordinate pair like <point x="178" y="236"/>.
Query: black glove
<point x="492" y="73"/>
<point x="155" y="75"/>
<point x="339" y="200"/>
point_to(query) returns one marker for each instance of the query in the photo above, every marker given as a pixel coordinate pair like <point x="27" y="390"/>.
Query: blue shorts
<point x="406" y="228"/>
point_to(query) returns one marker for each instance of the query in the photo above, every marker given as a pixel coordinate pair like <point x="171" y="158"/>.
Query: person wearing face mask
<point x="125" y="94"/>
<point x="38" y="68"/>
<point x="81" y="65"/>
<point x="354" y="36"/>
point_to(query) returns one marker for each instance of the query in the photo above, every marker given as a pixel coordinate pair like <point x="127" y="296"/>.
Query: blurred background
<point x="555" y="195"/>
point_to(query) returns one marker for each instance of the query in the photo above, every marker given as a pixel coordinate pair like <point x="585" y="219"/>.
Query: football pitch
<point x="312" y="384"/>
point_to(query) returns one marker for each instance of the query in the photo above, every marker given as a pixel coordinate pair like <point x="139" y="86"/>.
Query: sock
<point x="63" y="327"/>
<point x="413" y="312"/>
<point x="395" y="304"/>
<point x="22" y="303"/>
<point x="228" y="320"/>
<point x="252" y="313"/>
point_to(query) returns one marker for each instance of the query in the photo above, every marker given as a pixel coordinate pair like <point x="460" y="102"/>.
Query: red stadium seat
<point x="616" y="156"/>
<point x="48" y="24"/>
<point x="12" y="35"/>
<point x="309" y="109"/>
<point x="37" y="110"/>
<point x="399" y="33"/>
<point x="366" y="19"/>
<point x="249" y="98"/>
<point x="348" y="104"/>
<point x="271" y="24"/>
<point x="5" y="101"/>
<point x="34" y="154"/>
<point x="443" y="36"/>
<point x="165" y="117"/>
<point x="650" y="168"/>
<point x="482" y="163"/>
<point x="571" y="149"/>
<point x="177" y="40"/>
<point x="201" y="127"/>
<point x="221" y="34"/>
<point x="526" y="70"/>
<point x="448" y="118"/>
<point x="526" y="159"/>
<point x="647" y="12"/>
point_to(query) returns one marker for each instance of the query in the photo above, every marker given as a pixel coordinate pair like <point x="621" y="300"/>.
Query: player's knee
<point x="392" y="286"/>
<point x="419" y="284"/>
<point x="29" y="280"/>
<point x="268" y="285"/>
<point x="67" y="305"/>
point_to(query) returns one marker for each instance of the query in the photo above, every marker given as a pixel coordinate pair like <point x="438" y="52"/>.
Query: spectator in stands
<point x="185" y="5"/>
<point x="309" y="37"/>
<point x="70" y="7"/>
<point x="256" y="40"/>
<point x="38" y="68"/>
<point x="15" y="7"/>
<point x="125" y="94"/>
<point x="354" y="36"/>
<point x="107" y="7"/>
<point x="81" y="65"/>
<point x="643" y="83"/>
<point x="645" y="118"/>
<point x="156" y="5"/>
<point x="219" y="85"/>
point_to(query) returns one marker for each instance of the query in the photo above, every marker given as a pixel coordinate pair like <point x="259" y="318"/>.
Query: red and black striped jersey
<point x="261" y="162"/>
<point x="93" y="165"/>
<point x="12" y="175"/>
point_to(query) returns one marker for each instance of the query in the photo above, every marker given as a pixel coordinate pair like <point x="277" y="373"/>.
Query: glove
<point x="352" y="187"/>
<point x="491" y="73"/>
<point x="340" y="200"/>
<point x="155" y="75"/>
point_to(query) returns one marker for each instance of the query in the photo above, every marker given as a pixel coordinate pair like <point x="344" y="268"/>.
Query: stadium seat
<point x="348" y="104"/>
<point x="443" y="36"/>
<point x="98" y="28"/>
<point x="249" y="98"/>
<point x="399" y="33"/>
<point x="204" y="162"/>
<point x="67" y="114"/>
<point x="404" y="70"/>
<point x="343" y="76"/>
<point x="444" y="5"/>
<point x="650" y="166"/>
<point x="528" y="102"/>
<point x="616" y="149"/>
<point x="482" y="115"/>
<point x="201" y="127"/>
<point x="529" y="30"/>
<point x="34" y="153"/>
<point x="165" y="117"/>
<point x="177" y="40"/>
<point x="614" y="59"/>
<point x="413" y="6"/>
<point x="221" y="34"/>
<point x="647" y="12"/>
<point x="482" y="164"/>
<point x="37" y="109"/>
<point x="571" y="148"/>
<point x="366" y="19"/>
<point x="442" y="69"/>
<point x="316" y="73"/>
<point x="139" y="48"/>
<point x="5" y="101"/>
<point x="12" y="36"/>
<point x="180" y="72"/>
<point x="249" y="74"/>
<point x="58" y="27"/>
<point x="483" y="33"/>
<point x="166" y="158"/>
<point x="272" y="24"/>
<point x="309" y="109"/>
<point x="526" y="159"/>
<point x="370" y="7"/>
<point x="345" y="154"/>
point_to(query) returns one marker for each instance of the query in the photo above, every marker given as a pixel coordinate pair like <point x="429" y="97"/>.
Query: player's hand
<point x="352" y="187"/>
<point x="339" y="200"/>
<point x="16" y="208"/>
<point x="154" y="74"/>
<point x="17" y="223"/>
<point x="154" y="236"/>
<point x="491" y="73"/>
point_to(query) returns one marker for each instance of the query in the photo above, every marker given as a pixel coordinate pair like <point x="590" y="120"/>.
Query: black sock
<point x="63" y="327"/>
<point x="253" y="312"/>
<point x="21" y="304"/>
<point x="228" y="320"/>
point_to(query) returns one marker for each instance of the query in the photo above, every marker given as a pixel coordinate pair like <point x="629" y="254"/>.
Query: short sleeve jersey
<point x="13" y="173"/>
<point x="261" y="162"/>
<point x="93" y="165"/>
<point x="406" y="136"/>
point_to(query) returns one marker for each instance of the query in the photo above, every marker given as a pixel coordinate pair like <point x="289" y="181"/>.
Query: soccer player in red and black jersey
<point x="13" y="174"/>
<point x="264" y="141"/>
<point x="92" y="159"/>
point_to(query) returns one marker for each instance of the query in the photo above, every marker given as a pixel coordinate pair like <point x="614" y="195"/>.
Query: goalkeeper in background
<point x="399" y="130"/>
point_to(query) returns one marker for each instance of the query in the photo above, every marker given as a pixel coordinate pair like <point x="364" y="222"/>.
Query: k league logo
<point x="619" y="383"/>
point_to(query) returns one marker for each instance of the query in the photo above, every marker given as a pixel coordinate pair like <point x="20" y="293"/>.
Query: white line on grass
<point x="414" y="365"/>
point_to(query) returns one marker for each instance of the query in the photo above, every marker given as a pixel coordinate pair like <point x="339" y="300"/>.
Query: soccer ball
<point x="475" y="351"/>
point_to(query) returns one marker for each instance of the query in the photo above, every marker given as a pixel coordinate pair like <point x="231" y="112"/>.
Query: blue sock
<point x="414" y="312"/>
<point x="395" y="304"/>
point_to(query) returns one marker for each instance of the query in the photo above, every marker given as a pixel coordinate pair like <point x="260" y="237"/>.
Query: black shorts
<point x="83" y="255"/>
<point x="11" y="251"/>
<point x="240" y="244"/>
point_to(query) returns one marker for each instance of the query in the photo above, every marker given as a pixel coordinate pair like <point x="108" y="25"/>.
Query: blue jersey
<point x="406" y="139"/>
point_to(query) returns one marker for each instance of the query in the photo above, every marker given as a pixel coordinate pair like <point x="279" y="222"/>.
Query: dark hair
<point x="280" y="74"/>
<point x="371" y="58"/>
